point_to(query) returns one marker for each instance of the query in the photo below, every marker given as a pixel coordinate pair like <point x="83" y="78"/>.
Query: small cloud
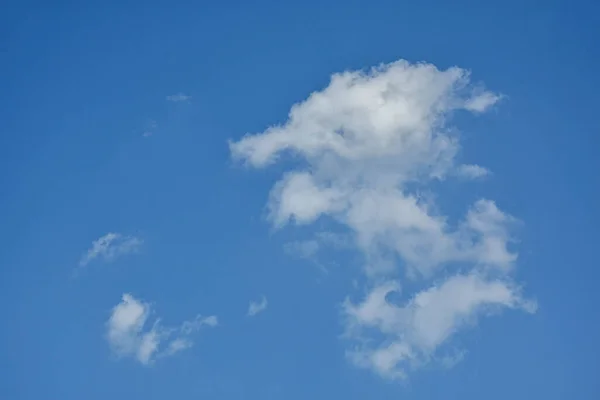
<point x="257" y="307"/>
<point x="150" y="128"/>
<point x="178" y="345"/>
<point x="195" y="324"/>
<point x="111" y="246"/>
<point x="472" y="171"/>
<point x="482" y="102"/>
<point x="128" y="335"/>
<point x="211" y="321"/>
<point x="179" y="97"/>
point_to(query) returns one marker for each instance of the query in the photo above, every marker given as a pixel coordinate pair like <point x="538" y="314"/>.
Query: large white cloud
<point x="129" y="335"/>
<point x="369" y="141"/>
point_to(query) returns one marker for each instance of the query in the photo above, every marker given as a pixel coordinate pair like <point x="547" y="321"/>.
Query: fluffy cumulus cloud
<point x="368" y="142"/>
<point x="130" y="334"/>
<point x="111" y="246"/>
<point x="257" y="307"/>
<point x="418" y="328"/>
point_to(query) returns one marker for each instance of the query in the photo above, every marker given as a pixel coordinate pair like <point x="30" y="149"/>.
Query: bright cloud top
<point x="111" y="246"/>
<point x="366" y="140"/>
<point x="129" y="335"/>
<point x="257" y="307"/>
<point x="365" y="137"/>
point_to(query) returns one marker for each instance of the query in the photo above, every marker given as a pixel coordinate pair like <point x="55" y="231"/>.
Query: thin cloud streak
<point x="111" y="246"/>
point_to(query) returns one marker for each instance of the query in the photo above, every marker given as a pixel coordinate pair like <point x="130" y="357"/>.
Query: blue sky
<point x="172" y="228"/>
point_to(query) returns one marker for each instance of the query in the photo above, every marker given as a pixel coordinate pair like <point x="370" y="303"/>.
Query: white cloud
<point x="298" y="197"/>
<point x="482" y="102"/>
<point x="128" y="334"/>
<point x="394" y="110"/>
<point x="256" y="307"/>
<point x="111" y="246"/>
<point x="367" y="139"/>
<point x="179" y="97"/>
<point x="413" y="332"/>
<point x="178" y="345"/>
<point x="472" y="171"/>
<point x="195" y="324"/>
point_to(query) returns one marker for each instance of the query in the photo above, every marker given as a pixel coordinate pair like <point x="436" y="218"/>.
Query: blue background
<point x="81" y="83"/>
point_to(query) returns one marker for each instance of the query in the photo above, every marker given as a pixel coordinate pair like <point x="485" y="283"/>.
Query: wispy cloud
<point x="150" y="128"/>
<point x="111" y="246"/>
<point x="179" y="97"/>
<point x="130" y="336"/>
<point x="367" y="139"/>
<point x="472" y="171"/>
<point x="482" y="101"/>
<point x="257" y="307"/>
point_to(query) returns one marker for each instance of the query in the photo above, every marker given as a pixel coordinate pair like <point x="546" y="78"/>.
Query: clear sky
<point x="300" y="200"/>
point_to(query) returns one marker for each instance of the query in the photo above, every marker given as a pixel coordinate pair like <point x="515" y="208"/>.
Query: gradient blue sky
<point x="91" y="144"/>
